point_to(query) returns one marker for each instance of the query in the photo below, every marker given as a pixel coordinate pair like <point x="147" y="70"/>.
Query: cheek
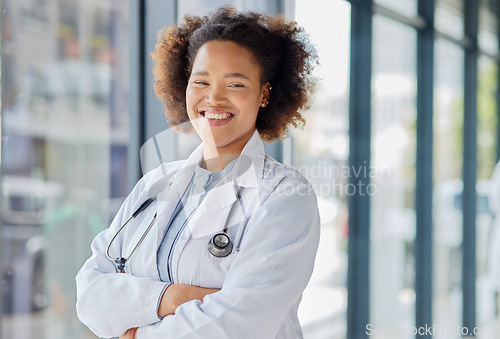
<point x="252" y="109"/>
<point x="191" y="99"/>
<point x="250" y="103"/>
<point x="189" y="95"/>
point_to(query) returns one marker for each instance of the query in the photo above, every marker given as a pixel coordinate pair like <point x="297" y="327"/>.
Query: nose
<point x="215" y="95"/>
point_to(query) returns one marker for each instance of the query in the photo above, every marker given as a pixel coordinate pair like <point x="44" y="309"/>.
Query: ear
<point x="266" y="93"/>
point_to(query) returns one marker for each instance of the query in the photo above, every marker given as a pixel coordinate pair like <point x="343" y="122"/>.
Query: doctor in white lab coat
<point x="268" y="210"/>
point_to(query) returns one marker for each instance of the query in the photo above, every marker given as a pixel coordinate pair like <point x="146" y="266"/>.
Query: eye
<point x="236" y="85"/>
<point x="201" y="82"/>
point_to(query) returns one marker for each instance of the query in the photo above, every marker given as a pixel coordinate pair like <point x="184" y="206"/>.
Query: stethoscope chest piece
<point x="220" y="245"/>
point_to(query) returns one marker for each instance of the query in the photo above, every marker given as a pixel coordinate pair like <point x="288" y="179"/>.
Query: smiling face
<point x="223" y="96"/>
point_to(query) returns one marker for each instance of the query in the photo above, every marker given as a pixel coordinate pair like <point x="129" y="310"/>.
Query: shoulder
<point x="278" y="172"/>
<point x="153" y="181"/>
<point x="285" y="194"/>
<point x="283" y="179"/>
<point x="164" y="169"/>
<point x="161" y="173"/>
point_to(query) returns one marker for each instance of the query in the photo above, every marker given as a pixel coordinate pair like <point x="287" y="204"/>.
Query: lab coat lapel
<point x="215" y="209"/>
<point x="176" y="185"/>
<point x="249" y="168"/>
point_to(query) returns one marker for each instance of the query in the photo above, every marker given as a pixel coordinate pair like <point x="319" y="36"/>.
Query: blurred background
<point x="400" y="145"/>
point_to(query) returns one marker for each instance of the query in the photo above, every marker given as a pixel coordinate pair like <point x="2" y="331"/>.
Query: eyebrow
<point x="236" y="75"/>
<point x="227" y="75"/>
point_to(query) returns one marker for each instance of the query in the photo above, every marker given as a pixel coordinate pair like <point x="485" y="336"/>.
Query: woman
<point x="233" y="233"/>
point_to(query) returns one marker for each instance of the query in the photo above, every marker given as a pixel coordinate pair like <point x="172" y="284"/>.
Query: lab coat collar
<point x="248" y="170"/>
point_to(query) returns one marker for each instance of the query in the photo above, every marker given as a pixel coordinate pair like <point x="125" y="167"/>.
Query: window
<point x="487" y="238"/>
<point x="405" y="7"/>
<point x="392" y="235"/>
<point x="320" y="152"/>
<point x="64" y="161"/>
<point x="448" y="186"/>
<point x="449" y="18"/>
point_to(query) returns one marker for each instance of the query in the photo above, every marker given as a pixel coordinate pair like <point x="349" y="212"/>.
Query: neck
<point x="217" y="162"/>
<point x="217" y="158"/>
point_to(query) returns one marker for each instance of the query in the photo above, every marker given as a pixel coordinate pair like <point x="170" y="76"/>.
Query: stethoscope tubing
<point x="138" y="211"/>
<point x="238" y="197"/>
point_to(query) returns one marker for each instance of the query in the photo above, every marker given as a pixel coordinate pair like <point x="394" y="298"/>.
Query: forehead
<point x="225" y="56"/>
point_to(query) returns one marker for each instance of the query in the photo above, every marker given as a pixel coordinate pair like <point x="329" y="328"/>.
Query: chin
<point x="219" y="143"/>
<point x="211" y="140"/>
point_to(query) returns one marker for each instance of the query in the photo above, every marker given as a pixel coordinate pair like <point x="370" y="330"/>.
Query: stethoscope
<point x="219" y="245"/>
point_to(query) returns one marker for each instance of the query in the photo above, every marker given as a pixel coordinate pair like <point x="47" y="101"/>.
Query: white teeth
<point x="217" y="116"/>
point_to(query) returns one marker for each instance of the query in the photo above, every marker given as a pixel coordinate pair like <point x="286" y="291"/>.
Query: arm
<point x="265" y="280"/>
<point x="174" y="296"/>
<point x="130" y="334"/>
<point x="178" y="294"/>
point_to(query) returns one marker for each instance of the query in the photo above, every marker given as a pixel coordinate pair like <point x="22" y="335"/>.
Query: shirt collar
<point x="207" y="179"/>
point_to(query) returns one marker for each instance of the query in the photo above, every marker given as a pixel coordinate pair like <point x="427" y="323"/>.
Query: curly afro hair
<point x="282" y="49"/>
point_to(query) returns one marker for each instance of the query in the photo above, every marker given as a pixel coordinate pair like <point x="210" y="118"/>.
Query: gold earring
<point x="264" y="104"/>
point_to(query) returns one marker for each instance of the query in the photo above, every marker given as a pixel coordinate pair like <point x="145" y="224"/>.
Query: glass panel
<point x="65" y="86"/>
<point x="320" y="153"/>
<point x="405" y="7"/>
<point x="487" y="236"/>
<point x="447" y="194"/>
<point x="449" y="18"/>
<point x="202" y="7"/>
<point x="392" y="234"/>
<point x="488" y="26"/>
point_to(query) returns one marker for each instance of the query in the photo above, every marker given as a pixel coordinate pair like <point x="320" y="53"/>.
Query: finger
<point x="125" y="335"/>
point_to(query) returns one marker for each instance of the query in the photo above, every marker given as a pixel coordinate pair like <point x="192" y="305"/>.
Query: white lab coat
<point x="275" y="231"/>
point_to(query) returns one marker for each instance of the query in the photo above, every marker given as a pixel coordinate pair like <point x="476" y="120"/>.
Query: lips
<point x="216" y="117"/>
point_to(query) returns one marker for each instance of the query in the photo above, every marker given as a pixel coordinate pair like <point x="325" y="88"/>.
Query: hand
<point x="177" y="294"/>
<point x="130" y="334"/>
